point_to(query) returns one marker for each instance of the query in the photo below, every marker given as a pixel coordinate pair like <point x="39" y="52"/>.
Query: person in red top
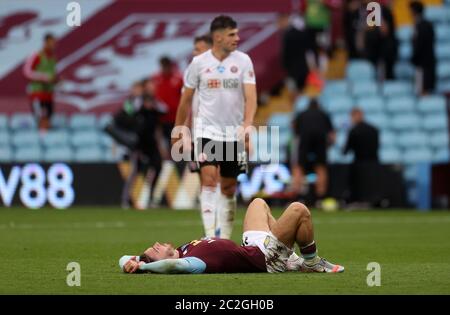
<point x="267" y="246"/>
<point x="40" y="70"/>
<point x="168" y="85"/>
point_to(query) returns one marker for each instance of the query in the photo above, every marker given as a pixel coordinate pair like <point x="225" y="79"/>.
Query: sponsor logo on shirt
<point x="230" y="83"/>
<point x="214" y="84"/>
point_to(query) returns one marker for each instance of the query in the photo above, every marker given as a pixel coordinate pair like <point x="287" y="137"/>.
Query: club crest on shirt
<point x="234" y="69"/>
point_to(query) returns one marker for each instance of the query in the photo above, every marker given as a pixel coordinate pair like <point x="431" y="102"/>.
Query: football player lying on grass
<point x="267" y="247"/>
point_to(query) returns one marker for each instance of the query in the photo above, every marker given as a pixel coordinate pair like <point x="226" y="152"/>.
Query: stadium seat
<point x="22" y="121"/>
<point x="405" y="51"/>
<point x="400" y="104"/>
<point x="388" y="139"/>
<point x="417" y="155"/>
<point x="443" y="69"/>
<point x="439" y="139"/>
<point x="28" y="154"/>
<point x="443" y="86"/>
<point x="106" y="141"/>
<point x="85" y="138"/>
<point x="339" y="104"/>
<point x="436" y="14"/>
<point x="58" y="154"/>
<point x="441" y="155"/>
<point x="59" y="121"/>
<point x="55" y="138"/>
<point x="434" y="122"/>
<point x="301" y="103"/>
<point x="83" y="121"/>
<point x="335" y="156"/>
<point x="89" y="154"/>
<point x="406" y="121"/>
<point x="341" y="139"/>
<point x="371" y="104"/>
<point x="404" y="70"/>
<point x="390" y="155"/>
<point x="442" y="31"/>
<point x="404" y="33"/>
<point x="442" y="50"/>
<point x="341" y="121"/>
<point x="412" y="139"/>
<point x="5" y="154"/>
<point x="103" y="120"/>
<point x="25" y="138"/>
<point x="5" y="139"/>
<point x="432" y="103"/>
<point x="379" y="120"/>
<point x="3" y="122"/>
<point x="360" y="70"/>
<point x="397" y="88"/>
<point x="282" y="120"/>
<point x="336" y="87"/>
<point x="364" y="88"/>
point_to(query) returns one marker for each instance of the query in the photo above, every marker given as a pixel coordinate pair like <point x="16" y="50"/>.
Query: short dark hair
<point x="314" y="104"/>
<point x="165" y="61"/>
<point x="416" y="7"/>
<point x="222" y="22"/>
<point x="203" y="38"/>
<point x="48" y="36"/>
<point x="145" y="258"/>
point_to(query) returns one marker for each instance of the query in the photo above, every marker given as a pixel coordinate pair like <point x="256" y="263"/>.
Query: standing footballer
<point x="225" y="83"/>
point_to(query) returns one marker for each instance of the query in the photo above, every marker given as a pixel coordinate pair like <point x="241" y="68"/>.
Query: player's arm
<point x="183" y="112"/>
<point x="179" y="265"/>
<point x="250" y="104"/>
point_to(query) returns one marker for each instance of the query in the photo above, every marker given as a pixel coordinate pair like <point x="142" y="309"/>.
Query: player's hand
<point x="131" y="266"/>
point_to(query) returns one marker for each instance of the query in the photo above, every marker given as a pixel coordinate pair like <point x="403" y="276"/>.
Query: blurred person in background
<point x="168" y="84"/>
<point x="315" y="134"/>
<point x="423" y="56"/>
<point x="354" y="23"/>
<point x="40" y="70"/>
<point x="363" y="141"/>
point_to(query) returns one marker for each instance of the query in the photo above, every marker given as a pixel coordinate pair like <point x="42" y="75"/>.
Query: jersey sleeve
<point x="179" y="265"/>
<point x="192" y="76"/>
<point x="249" y="72"/>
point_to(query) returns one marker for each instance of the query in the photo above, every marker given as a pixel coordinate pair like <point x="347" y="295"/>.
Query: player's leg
<point x="126" y="191"/>
<point x="258" y="217"/>
<point x="321" y="166"/>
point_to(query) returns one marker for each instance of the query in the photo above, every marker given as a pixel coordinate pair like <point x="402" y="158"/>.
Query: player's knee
<point x="228" y="189"/>
<point x="301" y="209"/>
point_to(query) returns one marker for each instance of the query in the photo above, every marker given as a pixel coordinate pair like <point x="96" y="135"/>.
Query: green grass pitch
<point x="412" y="248"/>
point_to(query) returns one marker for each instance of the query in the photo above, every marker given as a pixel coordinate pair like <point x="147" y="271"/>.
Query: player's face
<point x="229" y="39"/>
<point x="199" y="48"/>
<point x="161" y="251"/>
<point x="50" y="44"/>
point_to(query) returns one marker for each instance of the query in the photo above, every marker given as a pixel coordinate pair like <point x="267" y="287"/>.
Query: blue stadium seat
<point x="85" y="138"/>
<point x="417" y="155"/>
<point x="6" y="154"/>
<point x="89" y="154"/>
<point x="56" y="138"/>
<point x="436" y="14"/>
<point x="3" y="122"/>
<point x="340" y="121"/>
<point x="441" y="155"/>
<point x="442" y="31"/>
<point x="22" y="121"/>
<point x="5" y="138"/>
<point x="103" y="120"/>
<point x="360" y="70"/>
<point x="439" y="139"/>
<point x="434" y="122"/>
<point x="372" y="104"/>
<point x="58" y="154"/>
<point x="364" y="88"/>
<point x="106" y="141"/>
<point x="404" y="70"/>
<point x="404" y="33"/>
<point x="405" y="121"/>
<point x="443" y="69"/>
<point x="443" y="86"/>
<point x="397" y="88"/>
<point x="388" y="139"/>
<point x="59" y="121"/>
<point x="83" y="121"/>
<point x="282" y="120"/>
<point x="405" y="51"/>
<point x="25" y="138"/>
<point x="28" y="154"/>
<point x="390" y="155"/>
<point x="336" y="87"/>
<point x="412" y="139"/>
<point x="379" y="120"/>
<point x="400" y="104"/>
<point x="335" y="155"/>
<point x="339" y="104"/>
<point x="301" y="103"/>
<point x="442" y="50"/>
<point x="341" y="139"/>
<point x="432" y="103"/>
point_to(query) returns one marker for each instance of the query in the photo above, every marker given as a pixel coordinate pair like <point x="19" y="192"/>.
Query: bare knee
<point x="300" y="209"/>
<point x="259" y="202"/>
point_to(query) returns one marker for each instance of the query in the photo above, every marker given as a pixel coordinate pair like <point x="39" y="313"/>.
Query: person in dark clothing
<point x="315" y="131"/>
<point x="363" y="141"/>
<point x="423" y="56"/>
<point x="353" y="24"/>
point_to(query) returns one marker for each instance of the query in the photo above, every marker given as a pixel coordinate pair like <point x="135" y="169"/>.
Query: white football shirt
<point x="220" y="99"/>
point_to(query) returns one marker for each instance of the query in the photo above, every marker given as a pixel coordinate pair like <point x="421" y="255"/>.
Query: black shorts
<point x="312" y="149"/>
<point x="230" y="156"/>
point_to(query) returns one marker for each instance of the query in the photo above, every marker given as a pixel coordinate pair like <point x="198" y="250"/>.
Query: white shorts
<point x="275" y="252"/>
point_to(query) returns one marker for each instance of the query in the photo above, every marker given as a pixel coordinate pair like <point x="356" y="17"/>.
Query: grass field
<point x="412" y="248"/>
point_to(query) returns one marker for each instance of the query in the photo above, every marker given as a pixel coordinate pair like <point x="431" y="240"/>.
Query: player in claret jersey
<point x="267" y="246"/>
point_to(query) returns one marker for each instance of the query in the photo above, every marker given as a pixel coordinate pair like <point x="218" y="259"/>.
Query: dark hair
<point x="145" y="258"/>
<point x="416" y="7"/>
<point x="222" y="22"/>
<point x="48" y="36"/>
<point x="313" y="103"/>
<point x="203" y="38"/>
<point x="165" y="61"/>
